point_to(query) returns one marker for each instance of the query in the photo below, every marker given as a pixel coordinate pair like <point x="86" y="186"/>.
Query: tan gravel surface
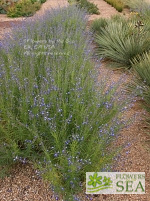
<point x="136" y="157"/>
<point x="24" y="185"/>
<point x="105" y="9"/>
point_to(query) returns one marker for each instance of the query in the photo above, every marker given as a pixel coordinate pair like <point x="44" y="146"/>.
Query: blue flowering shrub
<point x="53" y="111"/>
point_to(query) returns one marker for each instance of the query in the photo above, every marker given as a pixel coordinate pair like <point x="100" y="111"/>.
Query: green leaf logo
<point x="107" y="181"/>
<point x="94" y="180"/>
<point x="99" y="183"/>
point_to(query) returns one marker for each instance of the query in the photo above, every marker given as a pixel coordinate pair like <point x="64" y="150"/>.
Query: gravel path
<point x="136" y="157"/>
<point x="106" y="10"/>
<point x="24" y="185"/>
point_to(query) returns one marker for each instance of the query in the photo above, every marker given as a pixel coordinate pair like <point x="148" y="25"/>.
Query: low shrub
<point x="53" y="112"/>
<point x="42" y="1"/>
<point x="5" y="4"/>
<point x="118" y="41"/>
<point x="98" y="24"/>
<point x="118" y="4"/>
<point x="23" y="8"/>
<point x="140" y="7"/>
<point x="90" y="7"/>
<point x="2" y="11"/>
<point x="137" y="5"/>
<point x="18" y="8"/>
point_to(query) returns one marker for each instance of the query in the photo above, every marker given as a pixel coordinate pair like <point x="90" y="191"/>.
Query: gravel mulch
<point x="24" y="185"/>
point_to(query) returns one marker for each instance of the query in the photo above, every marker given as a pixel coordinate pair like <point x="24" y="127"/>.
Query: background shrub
<point x="53" y="111"/>
<point x="5" y="4"/>
<point x="137" y="5"/>
<point x="23" y="8"/>
<point x="2" y="11"/>
<point x="42" y="1"/>
<point x="140" y="7"/>
<point x="18" y="8"/>
<point x="90" y="7"/>
<point x="118" y="4"/>
<point x="98" y="24"/>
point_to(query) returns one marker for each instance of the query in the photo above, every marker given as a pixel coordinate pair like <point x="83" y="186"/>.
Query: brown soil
<point x="24" y="185"/>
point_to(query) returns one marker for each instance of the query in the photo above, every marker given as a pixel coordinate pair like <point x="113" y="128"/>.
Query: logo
<point x="115" y="183"/>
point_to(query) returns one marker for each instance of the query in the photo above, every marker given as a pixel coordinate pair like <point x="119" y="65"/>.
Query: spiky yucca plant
<point x="141" y="83"/>
<point x="121" y="41"/>
<point x="141" y="65"/>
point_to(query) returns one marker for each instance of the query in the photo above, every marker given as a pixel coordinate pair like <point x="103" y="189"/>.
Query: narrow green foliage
<point x="98" y="24"/>
<point x="141" y="66"/>
<point x="118" y="41"/>
<point x="137" y="5"/>
<point x="141" y="84"/>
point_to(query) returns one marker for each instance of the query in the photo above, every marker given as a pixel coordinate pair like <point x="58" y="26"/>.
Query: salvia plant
<point x="53" y="111"/>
